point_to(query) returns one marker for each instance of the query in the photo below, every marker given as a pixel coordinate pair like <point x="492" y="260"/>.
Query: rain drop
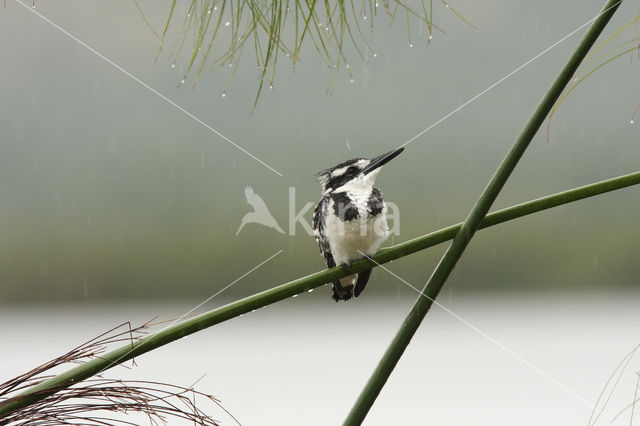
<point x="410" y="44"/>
<point x="224" y="94"/>
<point x="271" y="86"/>
<point x="351" y="80"/>
<point x="253" y="311"/>
<point x="295" y="295"/>
<point x="230" y="64"/>
<point x="215" y="7"/>
<point x="209" y="11"/>
<point x="376" y="4"/>
<point x="310" y="290"/>
<point x="429" y="38"/>
<point x="446" y="5"/>
<point x="173" y="65"/>
<point x="364" y="17"/>
<point x="182" y="82"/>
<point x="226" y="24"/>
<point x="375" y="55"/>
<point x="348" y="66"/>
<point x="188" y="15"/>
<point x="630" y="121"/>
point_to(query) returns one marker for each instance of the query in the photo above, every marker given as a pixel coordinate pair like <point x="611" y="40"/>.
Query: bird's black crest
<point x="329" y="181"/>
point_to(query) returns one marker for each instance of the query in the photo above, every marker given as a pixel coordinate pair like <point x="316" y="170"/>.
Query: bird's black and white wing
<point x="338" y="292"/>
<point x="320" y="232"/>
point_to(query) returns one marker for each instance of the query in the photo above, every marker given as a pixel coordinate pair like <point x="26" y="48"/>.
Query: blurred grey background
<point x="114" y="205"/>
<point x="107" y="191"/>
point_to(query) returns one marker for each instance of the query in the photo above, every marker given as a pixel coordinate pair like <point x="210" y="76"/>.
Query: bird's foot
<point x="346" y="266"/>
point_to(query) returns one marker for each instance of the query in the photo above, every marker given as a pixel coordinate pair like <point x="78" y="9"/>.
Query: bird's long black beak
<point x="381" y="160"/>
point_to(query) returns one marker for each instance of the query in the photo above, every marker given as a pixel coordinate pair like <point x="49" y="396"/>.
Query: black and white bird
<point x="350" y="220"/>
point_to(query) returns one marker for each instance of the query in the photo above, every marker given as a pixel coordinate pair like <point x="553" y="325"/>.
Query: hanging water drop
<point x="351" y="80"/>
<point x="209" y="11"/>
<point x="230" y="64"/>
<point x="310" y="290"/>
<point x="364" y="17"/>
<point x="271" y="86"/>
<point x="295" y="295"/>
<point x="410" y="44"/>
<point x="446" y="5"/>
<point x="224" y="94"/>
<point x="173" y="65"/>
<point x="429" y="38"/>
<point x="226" y="24"/>
<point x="375" y="55"/>
<point x="630" y="121"/>
<point x="377" y="4"/>
<point x="215" y="7"/>
<point x="182" y="81"/>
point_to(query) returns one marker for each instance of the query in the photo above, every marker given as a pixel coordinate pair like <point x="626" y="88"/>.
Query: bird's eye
<point x="351" y="170"/>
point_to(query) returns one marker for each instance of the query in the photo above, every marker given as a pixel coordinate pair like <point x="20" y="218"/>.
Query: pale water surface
<point x="305" y="360"/>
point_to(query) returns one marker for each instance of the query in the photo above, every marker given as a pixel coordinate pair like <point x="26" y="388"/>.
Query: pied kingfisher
<point x="350" y="220"/>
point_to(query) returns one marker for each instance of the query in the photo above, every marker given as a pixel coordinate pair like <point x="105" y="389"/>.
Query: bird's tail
<point x="351" y="286"/>
<point x="342" y="289"/>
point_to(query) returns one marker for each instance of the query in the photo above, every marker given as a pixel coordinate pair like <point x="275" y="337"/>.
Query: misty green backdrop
<point x="108" y="191"/>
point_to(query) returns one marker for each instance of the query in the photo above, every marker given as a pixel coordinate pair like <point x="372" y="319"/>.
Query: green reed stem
<point x="267" y="297"/>
<point x="463" y="236"/>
